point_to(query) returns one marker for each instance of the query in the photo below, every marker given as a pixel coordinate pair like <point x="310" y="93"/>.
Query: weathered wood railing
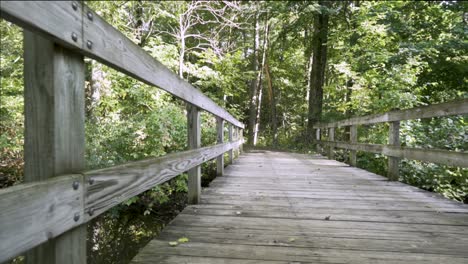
<point x="46" y="215"/>
<point x="393" y="150"/>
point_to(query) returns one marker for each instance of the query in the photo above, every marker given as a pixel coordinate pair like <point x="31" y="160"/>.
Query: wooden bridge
<point x="278" y="207"/>
<point x="266" y="207"/>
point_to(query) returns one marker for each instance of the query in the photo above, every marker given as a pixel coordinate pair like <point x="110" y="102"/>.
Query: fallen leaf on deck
<point x="183" y="240"/>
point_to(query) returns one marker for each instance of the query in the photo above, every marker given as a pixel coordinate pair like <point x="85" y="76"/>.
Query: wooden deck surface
<point x="278" y="207"/>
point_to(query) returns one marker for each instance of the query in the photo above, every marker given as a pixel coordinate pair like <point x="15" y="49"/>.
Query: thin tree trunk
<point x="319" y="43"/>
<point x="259" y="81"/>
<point x="253" y="85"/>
<point x="182" y="47"/>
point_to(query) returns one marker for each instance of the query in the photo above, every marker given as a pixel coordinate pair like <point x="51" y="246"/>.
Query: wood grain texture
<point x="459" y="107"/>
<point x="54" y="132"/>
<point x="33" y="213"/>
<point x="451" y="158"/>
<point x="114" y="185"/>
<point x="220" y="139"/>
<point x="58" y="20"/>
<point x="285" y="207"/>
<point x="194" y="142"/>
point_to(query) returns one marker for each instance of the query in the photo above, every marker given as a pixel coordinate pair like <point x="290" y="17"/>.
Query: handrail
<point x="35" y="212"/>
<point x="458" y="107"/>
<point x="32" y="213"/>
<point x="394" y="151"/>
<point x="85" y="32"/>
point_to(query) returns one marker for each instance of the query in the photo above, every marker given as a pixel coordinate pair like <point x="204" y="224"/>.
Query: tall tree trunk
<point x="319" y="46"/>
<point x="308" y="61"/>
<point x="272" y="95"/>
<point x="259" y="80"/>
<point x="253" y="84"/>
<point x="350" y="82"/>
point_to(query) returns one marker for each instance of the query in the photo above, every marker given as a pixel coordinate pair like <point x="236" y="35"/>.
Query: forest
<point x="279" y="67"/>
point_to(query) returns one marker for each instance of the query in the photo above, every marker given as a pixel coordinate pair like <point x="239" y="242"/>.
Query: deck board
<point x="279" y="207"/>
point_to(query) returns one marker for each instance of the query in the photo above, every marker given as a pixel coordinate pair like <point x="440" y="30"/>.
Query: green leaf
<point x="173" y="243"/>
<point x="183" y="240"/>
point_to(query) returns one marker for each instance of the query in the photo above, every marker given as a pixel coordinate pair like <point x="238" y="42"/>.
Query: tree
<point x="317" y="77"/>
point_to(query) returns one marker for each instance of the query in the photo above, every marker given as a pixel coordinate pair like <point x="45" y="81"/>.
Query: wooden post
<point x="194" y="142"/>
<point x="230" y="152"/>
<point x="220" y="139"/>
<point x="394" y="140"/>
<point x="54" y="133"/>
<point x="353" y="139"/>
<point x="241" y="146"/>
<point x="317" y="138"/>
<point x="331" y="137"/>
<point x="236" y="137"/>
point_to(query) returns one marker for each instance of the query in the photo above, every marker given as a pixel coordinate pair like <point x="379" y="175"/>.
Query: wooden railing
<point x="59" y="197"/>
<point x="394" y="150"/>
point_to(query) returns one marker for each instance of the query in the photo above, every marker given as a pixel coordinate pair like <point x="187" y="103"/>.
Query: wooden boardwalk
<point x="277" y="207"/>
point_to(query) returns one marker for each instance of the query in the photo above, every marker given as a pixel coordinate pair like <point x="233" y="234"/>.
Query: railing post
<point x="353" y="139"/>
<point x="54" y="133"/>
<point x="230" y="152"/>
<point x="331" y="137"/>
<point x="241" y="146"/>
<point x="220" y="139"/>
<point x="194" y="142"/>
<point x="317" y="138"/>
<point x="394" y="140"/>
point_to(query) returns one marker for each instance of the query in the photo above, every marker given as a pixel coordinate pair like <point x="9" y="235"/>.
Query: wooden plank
<point x="451" y="158"/>
<point x="114" y="185"/>
<point x="55" y="20"/>
<point x="393" y="171"/>
<point x="335" y="214"/>
<point x="262" y="238"/>
<point x="33" y="213"/>
<point x="220" y="140"/>
<point x="353" y="138"/>
<point x="295" y="254"/>
<point x="230" y="138"/>
<point x="162" y="259"/>
<point x="458" y="107"/>
<point x="59" y="20"/>
<point x="54" y="131"/>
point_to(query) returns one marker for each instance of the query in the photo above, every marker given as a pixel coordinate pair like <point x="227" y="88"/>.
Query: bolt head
<point x="76" y="217"/>
<point x="74" y="5"/>
<point x="91" y="181"/>
<point x="89" y="44"/>
<point x="90" y="15"/>
<point x="75" y="185"/>
<point x="91" y="211"/>
<point x="74" y="36"/>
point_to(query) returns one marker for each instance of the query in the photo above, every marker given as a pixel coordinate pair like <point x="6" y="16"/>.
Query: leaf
<point x="173" y="243"/>
<point x="183" y="240"/>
